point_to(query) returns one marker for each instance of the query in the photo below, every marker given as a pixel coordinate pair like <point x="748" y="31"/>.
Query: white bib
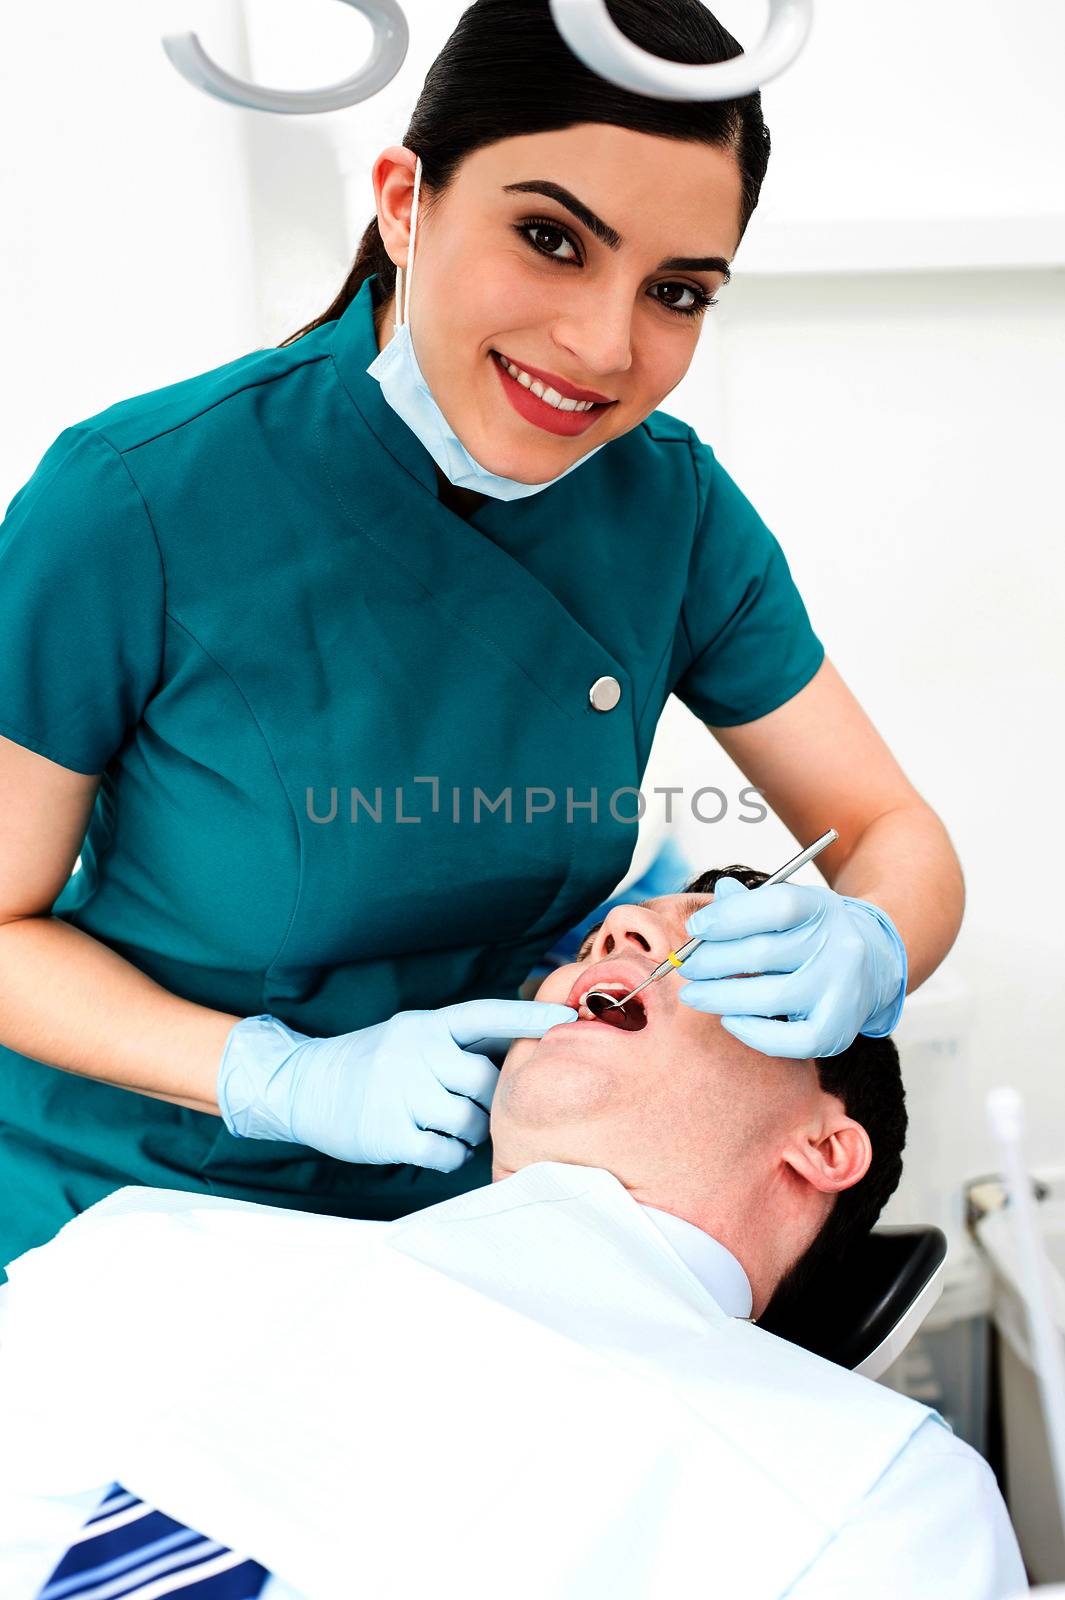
<point x="522" y="1391"/>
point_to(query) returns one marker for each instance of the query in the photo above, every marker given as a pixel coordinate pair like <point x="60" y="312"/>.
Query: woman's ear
<point x="831" y="1157"/>
<point x="393" y="181"/>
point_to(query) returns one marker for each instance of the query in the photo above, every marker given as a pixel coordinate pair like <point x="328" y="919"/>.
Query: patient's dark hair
<point x="866" y="1077"/>
<point x="506" y="71"/>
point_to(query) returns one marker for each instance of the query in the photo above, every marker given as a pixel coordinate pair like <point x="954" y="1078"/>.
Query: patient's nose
<point x="634" y="930"/>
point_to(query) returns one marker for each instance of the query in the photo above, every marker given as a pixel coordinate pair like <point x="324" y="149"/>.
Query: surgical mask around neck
<point x="404" y="387"/>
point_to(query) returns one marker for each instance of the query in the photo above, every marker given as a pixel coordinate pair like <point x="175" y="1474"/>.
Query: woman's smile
<point x="548" y="409"/>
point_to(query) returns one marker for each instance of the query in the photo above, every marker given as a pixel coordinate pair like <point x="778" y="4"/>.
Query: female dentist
<point x="333" y="661"/>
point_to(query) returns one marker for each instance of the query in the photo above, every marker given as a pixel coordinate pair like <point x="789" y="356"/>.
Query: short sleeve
<point x="750" y="641"/>
<point x="81" y="605"/>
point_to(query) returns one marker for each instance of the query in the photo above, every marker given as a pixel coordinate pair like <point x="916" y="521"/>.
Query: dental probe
<point x="676" y="957"/>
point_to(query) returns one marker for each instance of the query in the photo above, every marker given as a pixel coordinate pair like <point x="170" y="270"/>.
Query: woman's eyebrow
<point x="608" y="235"/>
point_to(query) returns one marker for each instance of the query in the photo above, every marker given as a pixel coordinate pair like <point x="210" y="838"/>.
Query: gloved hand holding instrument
<point x="413" y="1089"/>
<point x="834" y="965"/>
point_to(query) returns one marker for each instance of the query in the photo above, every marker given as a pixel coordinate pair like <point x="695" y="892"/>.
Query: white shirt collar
<point x="715" y="1266"/>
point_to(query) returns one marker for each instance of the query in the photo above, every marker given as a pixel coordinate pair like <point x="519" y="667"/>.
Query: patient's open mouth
<point x="599" y="1003"/>
<point x="630" y="1017"/>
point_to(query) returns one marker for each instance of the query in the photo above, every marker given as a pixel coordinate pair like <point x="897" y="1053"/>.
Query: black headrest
<point x="852" y="1303"/>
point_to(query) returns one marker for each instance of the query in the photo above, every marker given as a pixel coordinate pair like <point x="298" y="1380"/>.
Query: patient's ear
<point x="832" y="1156"/>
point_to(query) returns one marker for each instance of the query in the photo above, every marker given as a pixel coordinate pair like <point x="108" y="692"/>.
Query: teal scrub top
<point x="241" y="593"/>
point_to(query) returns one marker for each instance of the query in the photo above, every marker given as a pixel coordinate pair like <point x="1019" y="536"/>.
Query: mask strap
<point x="406" y="278"/>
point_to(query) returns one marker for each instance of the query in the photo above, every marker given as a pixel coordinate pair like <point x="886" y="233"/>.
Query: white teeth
<point x="605" y="988"/>
<point x="548" y="395"/>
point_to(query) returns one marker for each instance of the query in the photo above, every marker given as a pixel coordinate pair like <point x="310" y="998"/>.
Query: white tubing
<point x="1005" y="1115"/>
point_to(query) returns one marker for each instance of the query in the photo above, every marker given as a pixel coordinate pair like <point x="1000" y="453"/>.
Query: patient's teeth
<point x="606" y="988"/>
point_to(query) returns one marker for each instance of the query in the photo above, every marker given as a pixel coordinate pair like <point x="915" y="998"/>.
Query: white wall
<point x="125" y="243"/>
<point x="899" y="427"/>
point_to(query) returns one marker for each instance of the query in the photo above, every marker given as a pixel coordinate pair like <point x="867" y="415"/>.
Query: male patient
<point x="766" y="1156"/>
<point x="552" y="1385"/>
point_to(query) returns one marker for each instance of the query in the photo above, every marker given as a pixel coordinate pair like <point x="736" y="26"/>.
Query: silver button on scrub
<point x="605" y="693"/>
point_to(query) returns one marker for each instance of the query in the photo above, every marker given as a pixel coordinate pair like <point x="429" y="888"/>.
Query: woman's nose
<point x="602" y="341"/>
<point x="634" y="930"/>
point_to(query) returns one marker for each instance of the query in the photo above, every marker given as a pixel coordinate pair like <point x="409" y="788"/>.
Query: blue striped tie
<point x="128" y="1551"/>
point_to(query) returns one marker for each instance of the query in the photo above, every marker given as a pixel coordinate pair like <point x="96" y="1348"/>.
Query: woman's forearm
<point x="905" y="863"/>
<point x="71" y="1002"/>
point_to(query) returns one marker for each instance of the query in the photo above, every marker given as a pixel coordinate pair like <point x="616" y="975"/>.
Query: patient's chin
<point x="544" y="1092"/>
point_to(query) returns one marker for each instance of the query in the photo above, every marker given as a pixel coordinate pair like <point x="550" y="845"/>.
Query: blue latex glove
<point x="834" y="965"/>
<point x="411" y="1089"/>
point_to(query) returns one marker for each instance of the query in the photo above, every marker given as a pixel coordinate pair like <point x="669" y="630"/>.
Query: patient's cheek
<point x="556" y="986"/>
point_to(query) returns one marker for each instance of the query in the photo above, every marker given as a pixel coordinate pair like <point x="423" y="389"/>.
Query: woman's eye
<point x="553" y="231"/>
<point x="545" y="238"/>
<point x="699" y="301"/>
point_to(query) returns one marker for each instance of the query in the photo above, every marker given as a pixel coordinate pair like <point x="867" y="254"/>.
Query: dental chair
<point x="862" y="1313"/>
